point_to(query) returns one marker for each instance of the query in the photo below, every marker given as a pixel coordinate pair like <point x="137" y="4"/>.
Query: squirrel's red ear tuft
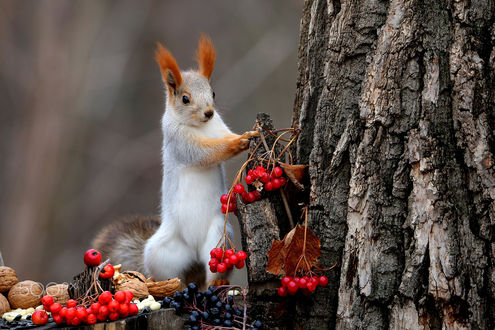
<point x="168" y="66"/>
<point x="205" y="56"/>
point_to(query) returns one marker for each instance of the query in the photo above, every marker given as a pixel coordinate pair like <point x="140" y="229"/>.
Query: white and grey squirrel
<point x="196" y="141"/>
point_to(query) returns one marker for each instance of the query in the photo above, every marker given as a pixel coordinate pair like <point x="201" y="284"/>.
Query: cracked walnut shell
<point x="8" y="278"/>
<point x="25" y="294"/>
<point x="60" y="292"/>
<point x="132" y="281"/>
<point x="164" y="288"/>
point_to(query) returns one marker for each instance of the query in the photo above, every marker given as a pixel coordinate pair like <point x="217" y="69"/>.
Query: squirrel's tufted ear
<point x="205" y="56"/>
<point x="169" y="68"/>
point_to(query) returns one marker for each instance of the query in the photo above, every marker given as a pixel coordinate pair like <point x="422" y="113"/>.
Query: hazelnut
<point x="25" y="294"/>
<point x="60" y="292"/>
<point x="8" y="278"/>
<point x="4" y="305"/>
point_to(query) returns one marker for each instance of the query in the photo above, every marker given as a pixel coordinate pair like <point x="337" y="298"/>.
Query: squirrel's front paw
<point x="250" y="134"/>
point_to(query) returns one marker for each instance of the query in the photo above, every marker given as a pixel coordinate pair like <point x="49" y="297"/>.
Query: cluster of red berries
<point x="109" y="307"/>
<point x="222" y="261"/>
<point x="290" y="285"/>
<point x="271" y="181"/>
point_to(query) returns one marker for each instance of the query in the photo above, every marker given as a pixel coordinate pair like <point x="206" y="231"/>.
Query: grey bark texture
<point x="395" y="101"/>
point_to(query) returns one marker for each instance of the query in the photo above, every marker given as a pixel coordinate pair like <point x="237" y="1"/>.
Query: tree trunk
<point x="395" y="101"/>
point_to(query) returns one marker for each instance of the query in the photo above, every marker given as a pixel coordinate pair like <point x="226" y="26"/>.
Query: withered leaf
<point x="295" y="173"/>
<point x="276" y="258"/>
<point x="295" y="250"/>
<point x="285" y="254"/>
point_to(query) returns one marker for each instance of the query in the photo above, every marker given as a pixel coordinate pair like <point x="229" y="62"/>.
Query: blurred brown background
<point x="80" y="102"/>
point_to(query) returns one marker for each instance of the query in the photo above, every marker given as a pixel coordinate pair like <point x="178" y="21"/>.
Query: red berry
<point x="226" y="261"/>
<point x="276" y="184"/>
<point x="92" y="258"/>
<point x="292" y="287"/>
<point x="251" y="197"/>
<point x="57" y="319"/>
<point x="286" y="280"/>
<point x="282" y="291"/>
<point x="124" y="310"/>
<point x="239" y="188"/>
<point x="277" y="171"/>
<point x="257" y="195"/>
<point x="314" y="280"/>
<point x="63" y="312"/>
<point x="95" y="307"/>
<point x="241" y="255"/>
<point x="229" y="253"/>
<point x="302" y="283"/>
<point x="224" y="199"/>
<point x="47" y="301"/>
<point x="39" y="317"/>
<point x="249" y="179"/>
<point x="133" y="309"/>
<point x="233" y="259"/>
<point x="260" y="170"/>
<point x="231" y="207"/>
<point x="107" y="272"/>
<point x="306" y="292"/>
<point x="239" y="264"/>
<point x="311" y="287"/>
<point x="101" y="317"/>
<point x="296" y="280"/>
<point x="70" y="314"/>
<point x="213" y="269"/>
<point x="103" y="312"/>
<point x="283" y="181"/>
<point x="244" y="196"/>
<point x="269" y="186"/>
<point x="265" y="177"/>
<point x="120" y="296"/>
<point x="75" y="321"/>
<point x="113" y="306"/>
<point x="91" y="319"/>
<point x="224" y="208"/>
<point x="71" y="303"/>
<point x="81" y="313"/>
<point x="221" y="268"/>
<point x="128" y="296"/>
<point x="323" y="280"/>
<point x="213" y="262"/>
<point x="219" y="253"/>
<point x="105" y="297"/>
<point x="114" y="316"/>
<point x="55" y="308"/>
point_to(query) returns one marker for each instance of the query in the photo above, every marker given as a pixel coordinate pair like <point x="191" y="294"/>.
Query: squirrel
<point x="196" y="141"/>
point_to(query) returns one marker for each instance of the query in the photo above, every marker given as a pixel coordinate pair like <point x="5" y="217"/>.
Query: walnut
<point x="25" y="294"/>
<point x="132" y="281"/>
<point x="8" y="278"/>
<point x="60" y="292"/>
<point x="164" y="288"/>
<point x="4" y="305"/>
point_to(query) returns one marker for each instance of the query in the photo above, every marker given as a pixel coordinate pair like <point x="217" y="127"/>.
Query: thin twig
<point x="287" y="208"/>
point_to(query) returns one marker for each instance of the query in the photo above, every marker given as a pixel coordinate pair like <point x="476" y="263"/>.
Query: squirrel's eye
<point x="185" y="99"/>
<point x="213" y="94"/>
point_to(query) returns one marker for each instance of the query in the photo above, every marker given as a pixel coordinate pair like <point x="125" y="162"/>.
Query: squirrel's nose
<point x="209" y="114"/>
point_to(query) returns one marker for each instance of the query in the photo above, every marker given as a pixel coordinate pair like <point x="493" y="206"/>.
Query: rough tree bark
<point x="395" y="100"/>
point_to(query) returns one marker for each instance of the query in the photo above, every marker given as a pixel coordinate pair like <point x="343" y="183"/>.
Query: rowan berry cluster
<point x="222" y="261"/>
<point x="290" y="285"/>
<point x="108" y="307"/>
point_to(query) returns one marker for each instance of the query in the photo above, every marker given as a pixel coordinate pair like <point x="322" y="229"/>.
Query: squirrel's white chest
<point x="190" y="200"/>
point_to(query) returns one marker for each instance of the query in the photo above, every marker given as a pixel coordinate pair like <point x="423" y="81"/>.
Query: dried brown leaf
<point x="276" y="258"/>
<point x="295" y="250"/>
<point x="295" y="173"/>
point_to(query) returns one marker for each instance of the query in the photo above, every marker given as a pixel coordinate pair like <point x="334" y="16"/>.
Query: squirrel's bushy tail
<point x="123" y="241"/>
